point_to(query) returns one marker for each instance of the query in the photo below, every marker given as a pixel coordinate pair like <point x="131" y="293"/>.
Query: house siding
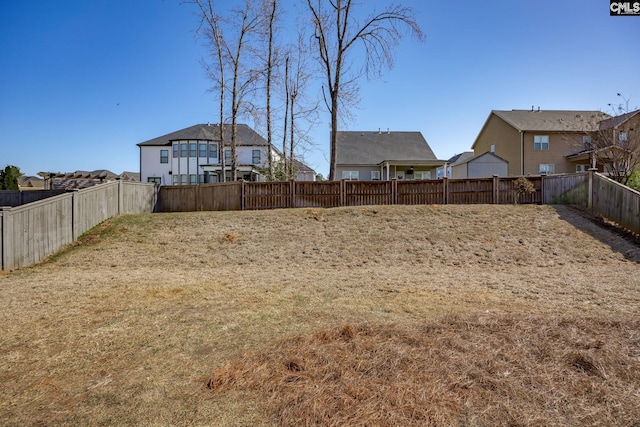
<point x="506" y="140"/>
<point x="560" y="145"/>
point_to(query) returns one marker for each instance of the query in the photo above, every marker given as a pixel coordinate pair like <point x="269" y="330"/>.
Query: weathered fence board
<point x="470" y="191"/>
<point x="420" y="193"/>
<point x="566" y="189"/>
<point x="360" y="193"/>
<point x="324" y="194"/>
<point x="18" y="198"/>
<point x="35" y="230"/>
<point x="617" y="203"/>
<point x="268" y="195"/>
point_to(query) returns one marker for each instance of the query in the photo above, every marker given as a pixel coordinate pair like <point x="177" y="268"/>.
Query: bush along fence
<point x="35" y="230"/>
<point x="328" y="194"/>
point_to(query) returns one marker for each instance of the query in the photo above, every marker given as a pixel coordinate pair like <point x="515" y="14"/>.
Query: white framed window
<point x="546" y="168"/>
<point x="540" y="142"/>
<point x="213" y="151"/>
<point x="255" y="157"/>
<point x="375" y="175"/>
<point x="622" y="137"/>
<point x="582" y="168"/>
<point x="422" y="175"/>
<point x="176" y="151"/>
<point x="183" y="150"/>
<point x="164" y="156"/>
<point x="586" y="141"/>
<point x="183" y="179"/>
<point x="154" y="179"/>
<point x="492" y="148"/>
<point x="351" y="175"/>
<point x="176" y="179"/>
<point x="192" y="149"/>
<point x="201" y="178"/>
<point x="192" y="179"/>
<point x="202" y="150"/>
<point x="227" y="157"/>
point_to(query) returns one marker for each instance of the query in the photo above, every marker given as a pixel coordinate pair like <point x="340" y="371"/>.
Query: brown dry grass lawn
<point x="418" y="315"/>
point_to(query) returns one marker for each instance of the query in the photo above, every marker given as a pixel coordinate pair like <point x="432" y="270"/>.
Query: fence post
<point x="75" y="214"/>
<point x="3" y="235"/>
<point x="343" y="193"/>
<point x="542" y="191"/>
<point x="592" y="172"/>
<point x="120" y="196"/>
<point x="445" y="190"/>
<point x="394" y="191"/>
<point x="496" y="189"/>
<point x="292" y="193"/>
<point x="242" y="202"/>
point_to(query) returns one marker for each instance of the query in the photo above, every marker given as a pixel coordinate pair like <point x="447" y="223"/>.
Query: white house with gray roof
<point x="192" y="156"/>
<point x="374" y="156"/>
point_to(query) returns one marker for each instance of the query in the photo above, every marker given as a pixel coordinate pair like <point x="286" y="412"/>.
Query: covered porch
<point x="409" y="169"/>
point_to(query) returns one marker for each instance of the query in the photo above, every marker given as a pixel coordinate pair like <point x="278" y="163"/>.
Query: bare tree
<point x="216" y="72"/>
<point x="234" y="48"/>
<point x="615" y="145"/>
<point x="337" y="33"/>
<point x="272" y="7"/>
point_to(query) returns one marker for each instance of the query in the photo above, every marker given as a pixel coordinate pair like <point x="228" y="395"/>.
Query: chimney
<point x="379" y="131"/>
<point x="538" y="109"/>
<point x="388" y="132"/>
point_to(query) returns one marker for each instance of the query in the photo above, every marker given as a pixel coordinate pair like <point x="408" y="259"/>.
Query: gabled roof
<point x="473" y="158"/>
<point x="460" y="158"/>
<point x="552" y="120"/>
<point x="616" y="121"/>
<point x="372" y="148"/>
<point x="208" y="132"/>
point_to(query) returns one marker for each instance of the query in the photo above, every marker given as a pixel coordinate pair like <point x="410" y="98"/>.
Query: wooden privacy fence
<point x="329" y="194"/>
<point x="18" y="198"/>
<point x="35" y="230"/>
<point x="616" y="202"/>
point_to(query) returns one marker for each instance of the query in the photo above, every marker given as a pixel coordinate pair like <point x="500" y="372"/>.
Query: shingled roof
<point x="616" y="121"/>
<point x="372" y="148"/>
<point x="552" y="120"/>
<point x="208" y="132"/>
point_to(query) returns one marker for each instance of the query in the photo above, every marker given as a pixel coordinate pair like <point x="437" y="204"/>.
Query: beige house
<point x="380" y="155"/>
<point x="540" y="141"/>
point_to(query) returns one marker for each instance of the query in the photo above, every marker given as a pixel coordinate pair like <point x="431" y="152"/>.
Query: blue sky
<point x="82" y="82"/>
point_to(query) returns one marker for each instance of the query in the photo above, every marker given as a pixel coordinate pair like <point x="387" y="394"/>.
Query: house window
<point x="164" y="156"/>
<point x="227" y="157"/>
<point x="213" y="151"/>
<point x="176" y="179"/>
<point x="201" y="178"/>
<point x="183" y="150"/>
<point x="155" y="180"/>
<point x="586" y="141"/>
<point x="493" y="148"/>
<point x="192" y="149"/>
<point x="255" y="157"/>
<point x="176" y="151"/>
<point x="193" y="179"/>
<point x="202" y="150"/>
<point x="422" y="175"/>
<point x="546" y="169"/>
<point x="582" y="168"/>
<point x="375" y="175"/>
<point x="622" y="138"/>
<point x="541" y="142"/>
<point x="351" y="175"/>
<point x="183" y="179"/>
